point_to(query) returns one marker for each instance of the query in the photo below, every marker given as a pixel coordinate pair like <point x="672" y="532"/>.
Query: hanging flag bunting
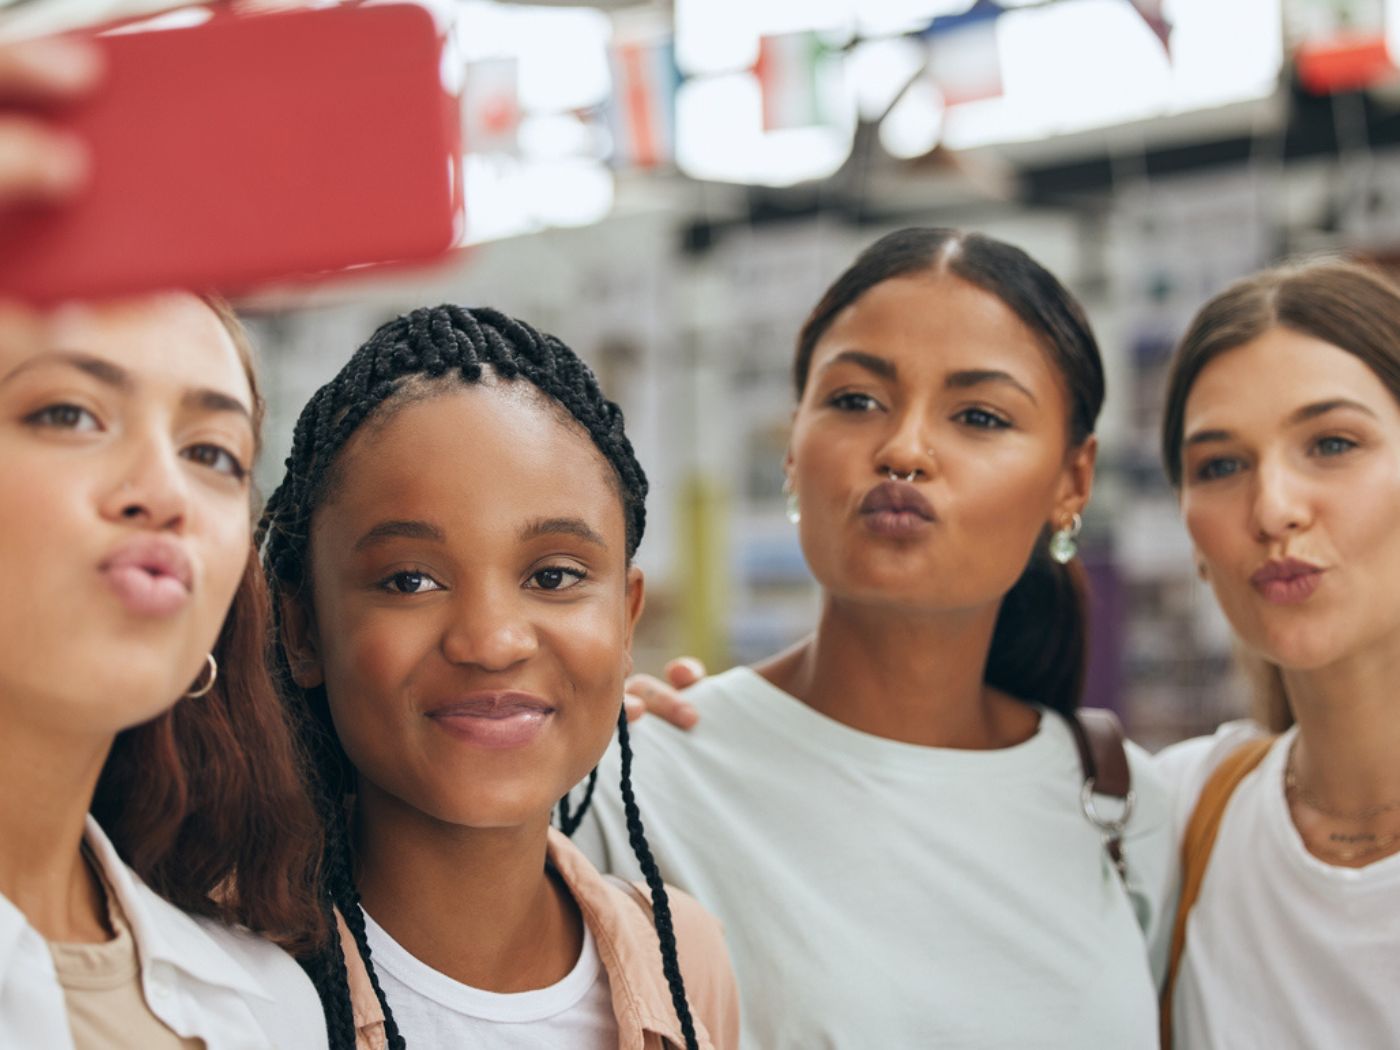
<point x="788" y="70"/>
<point x="642" y="108"/>
<point x="963" y="58"/>
<point x="1339" y="45"/>
<point x="1153" y="14"/>
<point x="491" y="106"/>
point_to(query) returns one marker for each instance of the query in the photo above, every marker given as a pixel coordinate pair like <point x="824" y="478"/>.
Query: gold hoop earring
<point x="195" y="694"/>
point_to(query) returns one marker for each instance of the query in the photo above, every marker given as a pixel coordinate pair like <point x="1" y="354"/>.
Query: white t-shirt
<point x="881" y="894"/>
<point x="1282" y="949"/>
<point x="433" y="1010"/>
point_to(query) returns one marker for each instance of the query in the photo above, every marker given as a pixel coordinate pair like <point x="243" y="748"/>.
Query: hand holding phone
<point x="249" y="149"/>
<point x="38" y="162"/>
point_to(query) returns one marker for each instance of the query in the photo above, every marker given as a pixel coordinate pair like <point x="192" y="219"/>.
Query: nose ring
<point x="894" y="475"/>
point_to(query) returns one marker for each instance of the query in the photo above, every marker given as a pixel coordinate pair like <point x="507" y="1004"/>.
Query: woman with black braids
<point x="451" y="551"/>
<point x="905" y="781"/>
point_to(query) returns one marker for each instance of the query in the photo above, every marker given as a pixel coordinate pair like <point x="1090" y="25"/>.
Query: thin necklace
<point x="1293" y="786"/>
<point x="1384" y="844"/>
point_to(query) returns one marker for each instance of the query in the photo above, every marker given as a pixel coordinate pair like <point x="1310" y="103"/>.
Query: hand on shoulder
<point x="648" y="695"/>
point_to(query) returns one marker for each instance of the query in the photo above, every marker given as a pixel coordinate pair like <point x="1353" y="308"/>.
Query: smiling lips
<point x="495" y="721"/>
<point x="151" y="576"/>
<point x="1287" y="581"/>
<point x="896" y="509"/>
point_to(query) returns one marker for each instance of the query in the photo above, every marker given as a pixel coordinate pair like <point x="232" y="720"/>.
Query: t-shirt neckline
<point x="535" y="1005"/>
<point x="1382" y="872"/>
<point x="807" y="727"/>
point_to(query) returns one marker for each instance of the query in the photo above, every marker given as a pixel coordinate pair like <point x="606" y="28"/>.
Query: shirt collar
<point x="627" y="945"/>
<point x="165" y="934"/>
<point x="627" y="942"/>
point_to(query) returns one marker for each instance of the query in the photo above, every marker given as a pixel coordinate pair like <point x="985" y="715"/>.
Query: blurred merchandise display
<point x="669" y="184"/>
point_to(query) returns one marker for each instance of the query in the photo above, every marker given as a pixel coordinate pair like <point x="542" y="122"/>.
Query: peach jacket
<point x="631" y="956"/>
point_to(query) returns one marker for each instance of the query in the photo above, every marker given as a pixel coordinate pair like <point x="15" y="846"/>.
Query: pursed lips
<point x="897" y="497"/>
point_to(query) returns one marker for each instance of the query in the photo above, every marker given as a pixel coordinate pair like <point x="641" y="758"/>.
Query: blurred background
<point x="668" y="185"/>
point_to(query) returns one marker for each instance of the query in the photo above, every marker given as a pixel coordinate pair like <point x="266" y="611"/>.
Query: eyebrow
<point x="886" y="369"/>
<point x="1301" y="415"/>
<point x="113" y="375"/>
<point x="402" y="529"/>
<point x="102" y="370"/>
<point x="562" y="526"/>
<point x="208" y="400"/>
<point x="881" y="366"/>
<point x="1321" y="408"/>
<point x="977" y="376"/>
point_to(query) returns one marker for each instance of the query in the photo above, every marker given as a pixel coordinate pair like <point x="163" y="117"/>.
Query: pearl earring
<point x="794" y="511"/>
<point x="1063" y="547"/>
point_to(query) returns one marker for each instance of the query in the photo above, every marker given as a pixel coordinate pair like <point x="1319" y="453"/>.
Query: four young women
<point x="888" y="815"/>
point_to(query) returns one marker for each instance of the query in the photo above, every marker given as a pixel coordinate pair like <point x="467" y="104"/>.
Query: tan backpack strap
<point x="1196" y="846"/>
<point x="1099" y="737"/>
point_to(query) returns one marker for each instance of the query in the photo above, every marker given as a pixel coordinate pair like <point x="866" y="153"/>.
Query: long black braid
<point x="428" y="344"/>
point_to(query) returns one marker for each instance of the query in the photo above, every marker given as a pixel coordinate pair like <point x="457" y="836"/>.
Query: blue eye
<point x="854" y="402"/>
<point x="410" y="582"/>
<point x="556" y="578"/>
<point x="981" y="419"/>
<point x="217" y="458"/>
<point x="64" y="416"/>
<point x="1220" y="467"/>
<point x="1333" y="446"/>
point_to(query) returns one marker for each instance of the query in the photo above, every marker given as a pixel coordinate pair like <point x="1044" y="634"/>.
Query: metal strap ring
<point x="1108" y="827"/>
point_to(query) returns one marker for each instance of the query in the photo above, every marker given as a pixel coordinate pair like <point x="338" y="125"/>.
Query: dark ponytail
<point x="1040" y="645"/>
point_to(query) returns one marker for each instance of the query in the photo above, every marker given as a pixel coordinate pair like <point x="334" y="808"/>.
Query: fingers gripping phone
<point x="249" y="149"/>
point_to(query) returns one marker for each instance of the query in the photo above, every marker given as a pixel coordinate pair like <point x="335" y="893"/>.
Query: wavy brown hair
<point x="207" y="802"/>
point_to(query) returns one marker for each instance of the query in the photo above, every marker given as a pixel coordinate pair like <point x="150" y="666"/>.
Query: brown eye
<point x="556" y="578"/>
<point x="216" y="458"/>
<point x="981" y="419"/>
<point x="64" y="417"/>
<point x="410" y="583"/>
<point x="854" y="402"/>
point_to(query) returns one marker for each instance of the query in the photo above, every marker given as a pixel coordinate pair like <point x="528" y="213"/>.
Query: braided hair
<point x="442" y="344"/>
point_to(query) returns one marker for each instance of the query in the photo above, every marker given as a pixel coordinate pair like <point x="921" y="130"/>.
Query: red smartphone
<point x="251" y="149"/>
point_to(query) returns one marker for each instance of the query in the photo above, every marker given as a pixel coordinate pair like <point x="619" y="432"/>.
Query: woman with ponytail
<point x="451" y="558"/>
<point x="889" y="817"/>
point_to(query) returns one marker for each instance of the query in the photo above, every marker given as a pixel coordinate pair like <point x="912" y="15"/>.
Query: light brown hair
<point x="1353" y="307"/>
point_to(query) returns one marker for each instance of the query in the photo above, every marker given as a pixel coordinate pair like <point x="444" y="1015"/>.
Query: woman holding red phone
<point x="150" y="796"/>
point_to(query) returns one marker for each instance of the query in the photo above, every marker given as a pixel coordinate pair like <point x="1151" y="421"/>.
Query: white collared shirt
<point x="205" y="980"/>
